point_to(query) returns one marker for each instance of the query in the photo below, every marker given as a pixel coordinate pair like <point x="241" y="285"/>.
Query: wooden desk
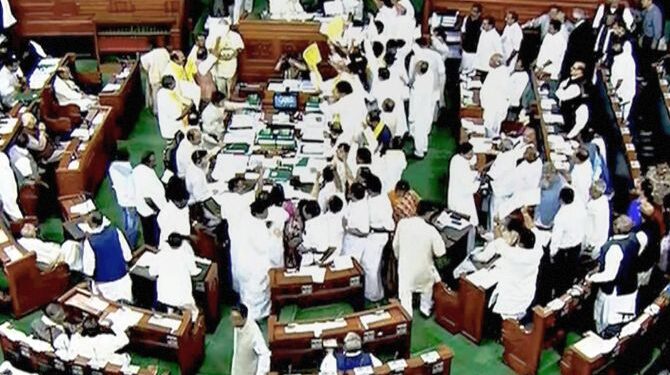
<point x="93" y="159"/>
<point x="346" y="285"/>
<point x="205" y="287"/>
<point x="24" y="357"/>
<point x="305" y="350"/>
<point x="127" y="101"/>
<point x="461" y="311"/>
<point x="185" y="345"/>
<point x="574" y="362"/>
<point x="67" y="202"/>
<point x="29" y="286"/>
<point x="628" y="145"/>
<point x="266" y="40"/>
<point x="523" y="348"/>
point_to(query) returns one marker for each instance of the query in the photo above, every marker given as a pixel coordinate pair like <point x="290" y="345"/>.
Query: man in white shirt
<point x="350" y="109"/>
<point x="494" y="103"/>
<point x="415" y="244"/>
<point x="185" y="150"/>
<point x="11" y="82"/>
<point x="518" y="85"/>
<point x="381" y="225"/>
<point x="149" y="196"/>
<point x="489" y="45"/>
<point x="106" y="253"/>
<point x="463" y="183"/>
<point x="186" y="86"/>
<point x="617" y="277"/>
<point x="121" y="177"/>
<point x="174" y="216"/>
<point x="315" y="241"/>
<point x="224" y="44"/>
<point x="423" y="52"/>
<point x="612" y="7"/>
<point x="581" y="176"/>
<point x="386" y="87"/>
<point x="250" y="352"/>
<point x="356" y="222"/>
<point x="91" y="343"/>
<point x="511" y="39"/>
<point x="567" y="236"/>
<point x="550" y="58"/>
<point x="173" y="266"/>
<point x="393" y="164"/>
<point x="9" y="192"/>
<point x="213" y="117"/>
<point x="67" y="92"/>
<point x="171" y="108"/>
<point x="154" y="63"/>
<point x="598" y="220"/>
<point x="422" y="105"/>
<point x="196" y="178"/>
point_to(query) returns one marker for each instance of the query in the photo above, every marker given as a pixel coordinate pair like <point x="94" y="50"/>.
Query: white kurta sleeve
<point x="88" y="258"/>
<point x="612" y="260"/>
<point x="643" y="240"/>
<point x="263" y="353"/>
<point x="125" y="248"/>
<point x="439" y="248"/>
<point x="556" y="234"/>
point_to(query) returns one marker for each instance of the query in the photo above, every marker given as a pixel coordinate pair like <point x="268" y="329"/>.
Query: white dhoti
<point x="405" y="292"/>
<point x="467" y="62"/>
<point x="610" y="309"/>
<point x="121" y="289"/>
<point x="354" y="246"/>
<point x="493" y="118"/>
<point x="371" y="262"/>
<point x="255" y="294"/>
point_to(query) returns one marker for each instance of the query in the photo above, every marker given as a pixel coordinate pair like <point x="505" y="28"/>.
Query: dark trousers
<point x="150" y="230"/>
<point x="566" y="267"/>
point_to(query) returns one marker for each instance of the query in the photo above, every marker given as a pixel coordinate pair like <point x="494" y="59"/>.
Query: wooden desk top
<point x="277" y="334"/>
<point x="125" y="82"/>
<point x="278" y="277"/>
<point x="416" y="364"/>
<point x="79" y="150"/>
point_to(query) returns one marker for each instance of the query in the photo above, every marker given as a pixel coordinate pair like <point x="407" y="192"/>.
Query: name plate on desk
<point x="316" y="344"/>
<point x="355" y="281"/>
<point x="59" y="365"/>
<point x="401" y="329"/>
<point x="630" y="147"/>
<point x="77" y="370"/>
<point x="368" y="336"/>
<point x="25" y="351"/>
<point x="306" y="289"/>
<point x="438" y="368"/>
<point x="200" y="286"/>
<point x="172" y="341"/>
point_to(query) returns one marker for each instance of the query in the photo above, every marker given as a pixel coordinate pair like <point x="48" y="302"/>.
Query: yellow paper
<point x="334" y="29"/>
<point x="312" y="56"/>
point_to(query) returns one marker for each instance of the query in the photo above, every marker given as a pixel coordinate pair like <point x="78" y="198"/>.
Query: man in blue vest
<point x="353" y="356"/>
<point x="617" y="277"/>
<point x="106" y="252"/>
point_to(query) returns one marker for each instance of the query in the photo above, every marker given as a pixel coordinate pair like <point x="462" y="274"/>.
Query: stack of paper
<point x="13" y="253"/>
<point x="83" y="208"/>
<point x="593" y="345"/>
<point x="318" y="274"/>
<point x="228" y="165"/>
<point x="124" y="318"/>
<point x="430" y="357"/>
<point x="242" y="121"/>
<point x="81" y="133"/>
<point x="172" y="324"/>
<point x="342" y="263"/>
<point x="365" y="370"/>
<point x="111" y="87"/>
<point x="369" y="319"/>
<point x="484" y="278"/>
<point x="316" y="328"/>
<point x="397" y="365"/>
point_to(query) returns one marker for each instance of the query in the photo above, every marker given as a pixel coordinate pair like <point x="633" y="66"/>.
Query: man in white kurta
<point x="502" y="176"/>
<point x="224" y="44"/>
<point x="173" y="266"/>
<point x="350" y="109"/>
<point x="463" y="183"/>
<point x="623" y="77"/>
<point x="422" y="102"/>
<point x="250" y="352"/>
<point x="187" y="146"/>
<point x="11" y="83"/>
<point x="51" y="253"/>
<point x="423" y="52"/>
<point x="489" y="45"/>
<point x="154" y="63"/>
<point x="415" y="244"/>
<point x="381" y="224"/>
<point x="390" y="86"/>
<point x="511" y="39"/>
<point x="9" y="192"/>
<point x="356" y="222"/>
<point x="67" y="92"/>
<point x="171" y="108"/>
<point x="598" y="220"/>
<point x="174" y="217"/>
<point x="186" y="85"/>
<point x="494" y="103"/>
<point x="116" y="290"/>
<point x="149" y="197"/>
<point x="581" y="176"/>
<point x="550" y="58"/>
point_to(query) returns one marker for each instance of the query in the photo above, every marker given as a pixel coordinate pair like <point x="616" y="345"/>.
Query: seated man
<point x="352" y="357"/>
<point x="106" y="252"/>
<point x="9" y="192"/>
<point x="94" y="343"/>
<point x="40" y="143"/>
<point x="67" y="92"/>
<point x="12" y="82"/>
<point x="51" y="252"/>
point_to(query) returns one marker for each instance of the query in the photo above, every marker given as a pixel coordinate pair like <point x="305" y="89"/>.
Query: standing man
<point x="422" y="103"/>
<point x="106" y="252"/>
<point x="356" y="222"/>
<point x="463" y="183"/>
<point x="511" y="39"/>
<point x="121" y="176"/>
<point x="150" y="198"/>
<point x="171" y="109"/>
<point x="598" y="220"/>
<point x="251" y="355"/>
<point x="617" y="277"/>
<point x="580" y="45"/>
<point x="567" y="236"/>
<point x="550" y="57"/>
<point x="225" y="45"/>
<point x="381" y="225"/>
<point x="489" y="44"/>
<point x="415" y="245"/>
<point x="154" y="63"/>
<point x="470" y="32"/>
<point x="493" y="102"/>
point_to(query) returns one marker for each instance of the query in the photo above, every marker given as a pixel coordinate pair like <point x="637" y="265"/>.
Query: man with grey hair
<point x="353" y="356"/>
<point x="597" y="221"/>
<point x="551" y="184"/>
<point x="494" y="104"/>
<point x="617" y="277"/>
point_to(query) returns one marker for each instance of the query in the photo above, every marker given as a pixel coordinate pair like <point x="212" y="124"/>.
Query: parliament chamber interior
<point x="332" y="187"/>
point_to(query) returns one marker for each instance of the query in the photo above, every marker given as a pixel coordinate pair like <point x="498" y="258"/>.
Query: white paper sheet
<point x="369" y="319"/>
<point x="83" y="208"/>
